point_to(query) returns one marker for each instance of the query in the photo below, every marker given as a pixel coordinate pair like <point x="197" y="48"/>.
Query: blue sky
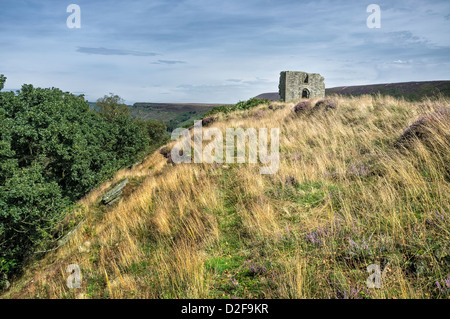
<point x="218" y="51"/>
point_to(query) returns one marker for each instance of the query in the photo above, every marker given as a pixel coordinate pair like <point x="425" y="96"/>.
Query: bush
<point x="427" y="128"/>
<point x="326" y="104"/>
<point x="156" y="131"/>
<point x="302" y="107"/>
<point x="53" y="150"/>
<point x="243" y="105"/>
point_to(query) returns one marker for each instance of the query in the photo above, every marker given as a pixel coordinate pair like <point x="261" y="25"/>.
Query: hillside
<point x="172" y="114"/>
<point x="363" y="182"/>
<point x="411" y="91"/>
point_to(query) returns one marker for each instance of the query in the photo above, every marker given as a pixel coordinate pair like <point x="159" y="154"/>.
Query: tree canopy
<point x="53" y="150"/>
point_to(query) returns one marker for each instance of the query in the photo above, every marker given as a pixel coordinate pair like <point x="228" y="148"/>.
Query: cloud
<point x="234" y="49"/>
<point x="400" y="62"/>
<point x="168" y="62"/>
<point x="407" y="38"/>
<point x="105" y="51"/>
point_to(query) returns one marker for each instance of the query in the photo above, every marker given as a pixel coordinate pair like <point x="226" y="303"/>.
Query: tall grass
<point x="347" y="195"/>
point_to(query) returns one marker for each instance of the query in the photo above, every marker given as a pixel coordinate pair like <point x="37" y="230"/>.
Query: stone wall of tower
<point x="295" y="85"/>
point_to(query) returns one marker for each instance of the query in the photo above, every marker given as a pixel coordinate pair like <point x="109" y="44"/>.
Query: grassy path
<point x="234" y="273"/>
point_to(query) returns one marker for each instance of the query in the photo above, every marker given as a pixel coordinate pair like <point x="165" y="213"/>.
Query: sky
<point x="210" y="51"/>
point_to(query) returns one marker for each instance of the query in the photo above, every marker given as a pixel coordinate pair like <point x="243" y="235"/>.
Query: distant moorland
<point x="410" y="91"/>
<point x="172" y="114"/>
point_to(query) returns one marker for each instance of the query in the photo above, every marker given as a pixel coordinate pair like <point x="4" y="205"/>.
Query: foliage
<point x="186" y="119"/>
<point x="112" y="107"/>
<point x="53" y="150"/>
<point x="242" y="105"/>
<point x="155" y="130"/>
<point x="2" y="81"/>
<point x="172" y="114"/>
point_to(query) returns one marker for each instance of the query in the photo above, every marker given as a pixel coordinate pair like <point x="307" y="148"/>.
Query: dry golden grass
<point x="344" y="197"/>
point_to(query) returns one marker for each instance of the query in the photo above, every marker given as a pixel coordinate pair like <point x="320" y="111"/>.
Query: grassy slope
<point x="343" y="198"/>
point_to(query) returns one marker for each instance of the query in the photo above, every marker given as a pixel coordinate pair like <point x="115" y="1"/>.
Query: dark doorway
<point x="305" y="94"/>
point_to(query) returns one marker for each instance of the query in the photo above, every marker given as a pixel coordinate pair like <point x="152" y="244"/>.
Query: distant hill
<point x="409" y="90"/>
<point x="173" y="114"/>
<point x="275" y="96"/>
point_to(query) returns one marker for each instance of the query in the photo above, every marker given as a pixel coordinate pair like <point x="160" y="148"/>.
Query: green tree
<point x="155" y="130"/>
<point x="53" y="150"/>
<point x="2" y="81"/>
<point x="112" y="107"/>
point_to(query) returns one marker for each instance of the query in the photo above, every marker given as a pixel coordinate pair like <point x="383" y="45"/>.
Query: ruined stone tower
<point x="300" y="85"/>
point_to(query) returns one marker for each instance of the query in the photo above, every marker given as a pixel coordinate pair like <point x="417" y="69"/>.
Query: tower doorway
<point x="305" y="94"/>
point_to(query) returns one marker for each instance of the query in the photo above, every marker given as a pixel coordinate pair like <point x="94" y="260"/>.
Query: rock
<point x="208" y="120"/>
<point x="169" y="159"/>
<point x="134" y="165"/>
<point x="165" y="152"/>
<point x="66" y="238"/>
<point x="6" y="283"/>
<point x="85" y="247"/>
<point x="114" y="194"/>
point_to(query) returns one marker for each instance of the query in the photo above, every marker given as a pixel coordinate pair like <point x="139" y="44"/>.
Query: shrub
<point x="243" y="105"/>
<point x="53" y="150"/>
<point x="326" y="104"/>
<point x="302" y="107"/>
<point x="427" y="127"/>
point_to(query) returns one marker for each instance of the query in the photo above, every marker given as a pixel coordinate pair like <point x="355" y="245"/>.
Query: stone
<point x="295" y="85"/>
<point x="114" y="194"/>
<point x="85" y="247"/>
<point x="6" y="283"/>
<point x="165" y="152"/>
<point x="135" y="165"/>
<point x="208" y="120"/>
